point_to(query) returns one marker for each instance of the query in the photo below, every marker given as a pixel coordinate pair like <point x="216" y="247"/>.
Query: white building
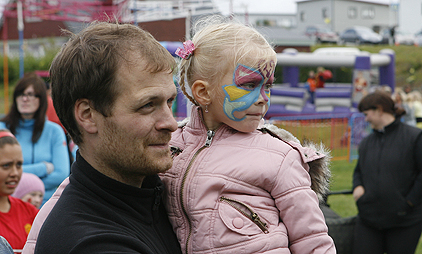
<point x="341" y="14"/>
<point x="287" y="20"/>
<point x="410" y="15"/>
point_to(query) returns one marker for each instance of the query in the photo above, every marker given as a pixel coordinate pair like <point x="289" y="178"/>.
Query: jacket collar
<point x="389" y="128"/>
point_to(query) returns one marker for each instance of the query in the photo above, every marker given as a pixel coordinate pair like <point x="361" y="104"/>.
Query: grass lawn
<point x="344" y="205"/>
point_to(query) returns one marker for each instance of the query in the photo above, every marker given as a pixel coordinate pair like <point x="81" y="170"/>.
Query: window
<point x="368" y="13"/>
<point x="302" y="16"/>
<point x="324" y="13"/>
<point x="352" y="13"/>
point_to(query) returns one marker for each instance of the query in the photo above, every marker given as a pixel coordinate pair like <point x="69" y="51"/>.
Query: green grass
<point x="344" y="205"/>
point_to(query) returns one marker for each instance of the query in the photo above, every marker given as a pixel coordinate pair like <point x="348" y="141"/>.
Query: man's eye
<point x="170" y="102"/>
<point x="148" y="105"/>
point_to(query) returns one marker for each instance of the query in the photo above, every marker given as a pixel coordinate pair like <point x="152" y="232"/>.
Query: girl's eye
<point x="268" y="87"/>
<point x="248" y="86"/>
<point x="6" y="166"/>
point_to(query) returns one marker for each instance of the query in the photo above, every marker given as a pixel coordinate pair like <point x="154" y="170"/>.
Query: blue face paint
<point x="248" y="84"/>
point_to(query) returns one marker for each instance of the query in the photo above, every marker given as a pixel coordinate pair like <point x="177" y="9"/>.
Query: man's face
<point x="134" y="139"/>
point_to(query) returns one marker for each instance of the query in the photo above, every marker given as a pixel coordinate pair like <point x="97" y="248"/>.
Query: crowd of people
<point x="44" y="159"/>
<point x="220" y="181"/>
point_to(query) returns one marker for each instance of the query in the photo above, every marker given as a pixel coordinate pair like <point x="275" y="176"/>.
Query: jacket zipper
<point x="155" y="207"/>
<point x="248" y="212"/>
<point x="210" y="135"/>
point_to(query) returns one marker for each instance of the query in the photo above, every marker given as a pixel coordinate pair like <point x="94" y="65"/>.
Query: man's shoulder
<point x="408" y="132"/>
<point x="66" y="223"/>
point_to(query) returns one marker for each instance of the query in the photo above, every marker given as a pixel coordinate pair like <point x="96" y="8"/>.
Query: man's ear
<point x="201" y="92"/>
<point x="84" y="115"/>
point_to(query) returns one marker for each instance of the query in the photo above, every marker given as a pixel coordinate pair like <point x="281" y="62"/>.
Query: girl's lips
<point x="255" y="115"/>
<point x="12" y="184"/>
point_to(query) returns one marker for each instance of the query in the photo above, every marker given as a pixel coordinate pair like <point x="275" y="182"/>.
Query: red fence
<point x="341" y="133"/>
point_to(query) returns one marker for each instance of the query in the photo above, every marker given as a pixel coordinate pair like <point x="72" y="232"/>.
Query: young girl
<point x="30" y="189"/>
<point x="16" y="216"/>
<point x="235" y="185"/>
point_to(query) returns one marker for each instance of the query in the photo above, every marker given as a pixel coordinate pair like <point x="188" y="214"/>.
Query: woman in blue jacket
<point x="43" y="143"/>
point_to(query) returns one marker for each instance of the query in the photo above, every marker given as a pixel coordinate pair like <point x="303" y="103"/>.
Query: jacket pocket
<point x="241" y="218"/>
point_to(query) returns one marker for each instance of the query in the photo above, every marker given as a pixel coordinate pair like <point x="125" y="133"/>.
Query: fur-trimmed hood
<point x="316" y="155"/>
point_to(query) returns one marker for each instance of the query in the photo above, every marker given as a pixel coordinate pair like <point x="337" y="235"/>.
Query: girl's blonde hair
<point x="220" y="44"/>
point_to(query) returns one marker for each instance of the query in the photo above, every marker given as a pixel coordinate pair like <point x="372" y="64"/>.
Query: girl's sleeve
<point x="299" y="208"/>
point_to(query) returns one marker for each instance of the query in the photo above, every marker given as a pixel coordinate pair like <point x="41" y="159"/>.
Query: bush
<point x="31" y="62"/>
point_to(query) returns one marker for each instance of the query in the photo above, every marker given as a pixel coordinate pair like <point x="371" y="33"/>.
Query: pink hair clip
<point x="187" y="50"/>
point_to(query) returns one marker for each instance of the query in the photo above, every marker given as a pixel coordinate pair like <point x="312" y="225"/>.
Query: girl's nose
<point x="263" y="95"/>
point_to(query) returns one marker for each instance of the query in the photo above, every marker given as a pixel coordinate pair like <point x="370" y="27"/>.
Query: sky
<point x="268" y="6"/>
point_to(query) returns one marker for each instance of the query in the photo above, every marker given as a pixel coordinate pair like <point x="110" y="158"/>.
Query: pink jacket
<point x="243" y="193"/>
<point x="29" y="247"/>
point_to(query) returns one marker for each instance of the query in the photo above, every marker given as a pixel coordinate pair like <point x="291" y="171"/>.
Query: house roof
<point x="280" y="36"/>
<point x="361" y="1"/>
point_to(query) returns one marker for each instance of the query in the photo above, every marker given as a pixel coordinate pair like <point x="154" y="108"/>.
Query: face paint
<point x="248" y="84"/>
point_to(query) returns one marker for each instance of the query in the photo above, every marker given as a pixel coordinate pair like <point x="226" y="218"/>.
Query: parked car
<point x="386" y="36"/>
<point x="418" y="38"/>
<point x="359" y="35"/>
<point x="402" y="37"/>
<point x="321" y="34"/>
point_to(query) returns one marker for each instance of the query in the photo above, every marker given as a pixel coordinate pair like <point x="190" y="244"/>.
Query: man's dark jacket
<point x="96" y="214"/>
<point x="390" y="169"/>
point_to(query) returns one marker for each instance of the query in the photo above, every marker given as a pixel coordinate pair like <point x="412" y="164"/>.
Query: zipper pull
<point x="175" y="151"/>
<point x="210" y="135"/>
<point x="259" y="223"/>
<point x="157" y="200"/>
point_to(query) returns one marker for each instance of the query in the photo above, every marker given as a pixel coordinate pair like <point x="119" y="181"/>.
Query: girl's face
<point x="28" y="103"/>
<point x="374" y="118"/>
<point x="35" y="198"/>
<point x="243" y="97"/>
<point x="10" y="168"/>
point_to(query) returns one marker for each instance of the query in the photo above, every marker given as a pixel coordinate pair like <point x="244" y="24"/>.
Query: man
<point x="113" y="90"/>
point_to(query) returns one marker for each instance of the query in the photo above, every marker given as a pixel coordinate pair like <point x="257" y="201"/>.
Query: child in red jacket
<point x="16" y="216"/>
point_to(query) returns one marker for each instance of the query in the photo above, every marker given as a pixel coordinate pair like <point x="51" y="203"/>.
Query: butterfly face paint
<point x="248" y="84"/>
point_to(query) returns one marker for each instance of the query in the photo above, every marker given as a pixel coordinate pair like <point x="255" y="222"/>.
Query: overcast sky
<point x="268" y="6"/>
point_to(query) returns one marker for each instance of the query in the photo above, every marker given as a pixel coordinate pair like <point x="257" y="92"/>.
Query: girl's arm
<point x="299" y="208"/>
